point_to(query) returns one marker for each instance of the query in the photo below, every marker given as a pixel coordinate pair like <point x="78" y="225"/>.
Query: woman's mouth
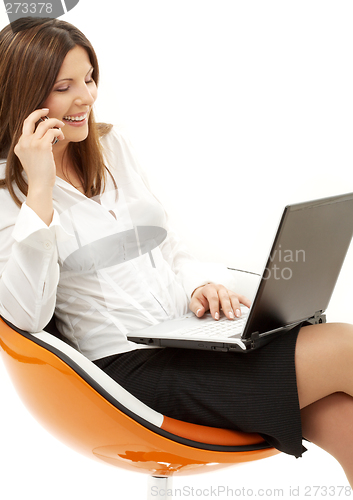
<point x="76" y="120"/>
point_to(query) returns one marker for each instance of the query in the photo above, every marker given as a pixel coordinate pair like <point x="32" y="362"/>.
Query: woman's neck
<point x="65" y="169"/>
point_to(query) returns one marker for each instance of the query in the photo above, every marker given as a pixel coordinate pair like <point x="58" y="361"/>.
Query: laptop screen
<point x="304" y="263"/>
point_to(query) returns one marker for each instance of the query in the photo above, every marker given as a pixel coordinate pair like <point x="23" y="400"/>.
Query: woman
<point x="72" y="199"/>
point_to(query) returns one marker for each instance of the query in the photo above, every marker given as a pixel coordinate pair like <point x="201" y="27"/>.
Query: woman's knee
<point x="325" y="339"/>
<point x="324" y="361"/>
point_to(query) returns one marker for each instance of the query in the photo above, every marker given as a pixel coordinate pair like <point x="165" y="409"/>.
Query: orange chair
<point x="83" y="407"/>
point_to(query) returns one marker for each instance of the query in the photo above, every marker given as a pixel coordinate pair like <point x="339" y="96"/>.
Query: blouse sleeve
<point x="29" y="270"/>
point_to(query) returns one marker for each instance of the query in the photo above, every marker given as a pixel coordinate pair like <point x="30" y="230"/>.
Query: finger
<point x="31" y="120"/>
<point x="200" y="311"/>
<point x="237" y="300"/>
<point x="226" y="303"/>
<point x="55" y="135"/>
<point x="38" y="123"/>
<point x="197" y="307"/>
<point x="46" y="125"/>
<point x="211" y="294"/>
<point x="198" y="304"/>
<point x="234" y="298"/>
<point x="244" y="300"/>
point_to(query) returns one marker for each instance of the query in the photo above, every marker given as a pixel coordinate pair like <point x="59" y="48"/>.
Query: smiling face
<point x="73" y="96"/>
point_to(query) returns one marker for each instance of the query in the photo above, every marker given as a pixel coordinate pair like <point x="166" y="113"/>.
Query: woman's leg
<point x="329" y="424"/>
<point x="324" y="367"/>
<point x="324" y="361"/>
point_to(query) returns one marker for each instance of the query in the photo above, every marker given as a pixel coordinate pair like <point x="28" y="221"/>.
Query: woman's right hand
<point x="35" y="152"/>
<point x="34" y="148"/>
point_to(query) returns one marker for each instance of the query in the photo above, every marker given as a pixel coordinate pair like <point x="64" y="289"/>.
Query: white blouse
<point x="108" y="265"/>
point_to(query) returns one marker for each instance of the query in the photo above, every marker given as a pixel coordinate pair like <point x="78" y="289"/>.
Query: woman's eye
<point x="65" y="89"/>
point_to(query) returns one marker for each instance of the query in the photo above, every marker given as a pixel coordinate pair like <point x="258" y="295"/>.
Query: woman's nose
<point x="86" y="96"/>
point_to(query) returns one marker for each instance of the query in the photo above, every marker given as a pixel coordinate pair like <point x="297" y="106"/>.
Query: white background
<point x="235" y="108"/>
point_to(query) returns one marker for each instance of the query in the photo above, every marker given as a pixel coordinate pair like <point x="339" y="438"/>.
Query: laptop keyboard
<point x="215" y="329"/>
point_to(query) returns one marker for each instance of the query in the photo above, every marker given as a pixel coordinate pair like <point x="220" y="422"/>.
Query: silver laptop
<point x="298" y="280"/>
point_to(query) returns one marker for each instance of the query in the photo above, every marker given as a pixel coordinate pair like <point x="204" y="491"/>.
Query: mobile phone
<point x="42" y="120"/>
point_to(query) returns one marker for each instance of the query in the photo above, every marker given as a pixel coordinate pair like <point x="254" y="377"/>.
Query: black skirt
<point x="253" y="392"/>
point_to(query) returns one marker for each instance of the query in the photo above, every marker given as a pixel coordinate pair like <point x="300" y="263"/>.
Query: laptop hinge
<point x="254" y="337"/>
<point x="319" y="317"/>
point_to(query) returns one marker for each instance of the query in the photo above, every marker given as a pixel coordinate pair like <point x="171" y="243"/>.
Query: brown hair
<point x="32" y="51"/>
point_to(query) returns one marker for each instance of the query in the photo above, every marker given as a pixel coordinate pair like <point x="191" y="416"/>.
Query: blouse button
<point x="47" y="244"/>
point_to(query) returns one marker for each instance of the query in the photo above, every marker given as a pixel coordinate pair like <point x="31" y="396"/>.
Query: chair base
<point x="159" y="487"/>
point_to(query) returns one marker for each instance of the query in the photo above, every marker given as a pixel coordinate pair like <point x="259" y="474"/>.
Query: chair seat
<point x="210" y="435"/>
<point x="84" y="408"/>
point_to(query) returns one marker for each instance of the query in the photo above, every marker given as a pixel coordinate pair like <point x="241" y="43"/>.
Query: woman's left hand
<point x="213" y="297"/>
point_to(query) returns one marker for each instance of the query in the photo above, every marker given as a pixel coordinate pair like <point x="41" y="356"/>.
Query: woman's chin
<point x="76" y="136"/>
